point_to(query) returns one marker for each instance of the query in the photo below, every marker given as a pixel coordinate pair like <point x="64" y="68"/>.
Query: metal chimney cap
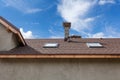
<point x="67" y="24"/>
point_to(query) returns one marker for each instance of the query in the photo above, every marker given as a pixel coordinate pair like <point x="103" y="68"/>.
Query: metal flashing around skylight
<point x="94" y="45"/>
<point x="50" y="45"/>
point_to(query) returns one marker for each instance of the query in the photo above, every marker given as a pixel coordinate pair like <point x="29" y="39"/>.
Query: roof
<point x="13" y="29"/>
<point x="76" y="48"/>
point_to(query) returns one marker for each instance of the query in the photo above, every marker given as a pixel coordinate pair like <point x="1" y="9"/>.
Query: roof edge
<point x="13" y="29"/>
<point x="65" y="56"/>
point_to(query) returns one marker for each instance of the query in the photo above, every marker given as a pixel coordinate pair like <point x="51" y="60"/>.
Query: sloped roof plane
<point x="77" y="48"/>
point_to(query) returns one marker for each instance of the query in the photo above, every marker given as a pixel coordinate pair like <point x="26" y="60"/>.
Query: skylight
<point x="50" y="45"/>
<point x="94" y="45"/>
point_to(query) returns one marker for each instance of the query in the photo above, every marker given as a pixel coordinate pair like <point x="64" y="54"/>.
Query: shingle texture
<point x="75" y="46"/>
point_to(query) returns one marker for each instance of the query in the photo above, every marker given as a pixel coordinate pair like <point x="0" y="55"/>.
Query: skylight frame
<point x="94" y="45"/>
<point x="51" y="45"/>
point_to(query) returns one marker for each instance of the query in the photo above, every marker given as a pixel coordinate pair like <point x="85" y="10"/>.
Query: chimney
<point x="67" y="26"/>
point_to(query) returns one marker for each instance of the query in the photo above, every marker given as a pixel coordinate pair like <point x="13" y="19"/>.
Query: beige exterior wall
<point x="7" y="41"/>
<point x="59" y="69"/>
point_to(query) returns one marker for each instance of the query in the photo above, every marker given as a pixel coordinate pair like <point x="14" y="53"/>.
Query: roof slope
<point x="76" y="46"/>
<point x="12" y="28"/>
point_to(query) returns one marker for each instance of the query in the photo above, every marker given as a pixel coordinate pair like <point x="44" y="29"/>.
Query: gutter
<point x="59" y="56"/>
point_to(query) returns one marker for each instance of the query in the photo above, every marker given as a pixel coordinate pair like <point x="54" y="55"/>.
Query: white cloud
<point x="89" y="20"/>
<point x="56" y="37"/>
<point x="27" y="35"/>
<point x="21" y="5"/>
<point x="112" y="32"/>
<point x="103" y="2"/>
<point x="109" y="32"/>
<point x="33" y="10"/>
<point x="74" y="11"/>
<point x="97" y="35"/>
<point x="55" y="34"/>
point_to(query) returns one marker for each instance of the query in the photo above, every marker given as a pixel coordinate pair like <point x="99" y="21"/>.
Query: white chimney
<point x="67" y="26"/>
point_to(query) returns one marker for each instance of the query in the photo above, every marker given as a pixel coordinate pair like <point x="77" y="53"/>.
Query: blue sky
<point x="44" y="18"/>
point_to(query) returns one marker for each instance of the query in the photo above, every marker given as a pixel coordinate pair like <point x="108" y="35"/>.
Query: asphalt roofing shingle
<point x="75" y="46"/>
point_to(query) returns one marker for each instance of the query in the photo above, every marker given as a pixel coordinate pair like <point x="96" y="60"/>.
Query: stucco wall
<point x="7" y="41"/>
<point x="59" y="69"/>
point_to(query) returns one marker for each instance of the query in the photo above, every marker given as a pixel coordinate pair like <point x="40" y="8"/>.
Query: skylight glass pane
<point x="51" y="45"/>
<point x="94" y="45"/>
